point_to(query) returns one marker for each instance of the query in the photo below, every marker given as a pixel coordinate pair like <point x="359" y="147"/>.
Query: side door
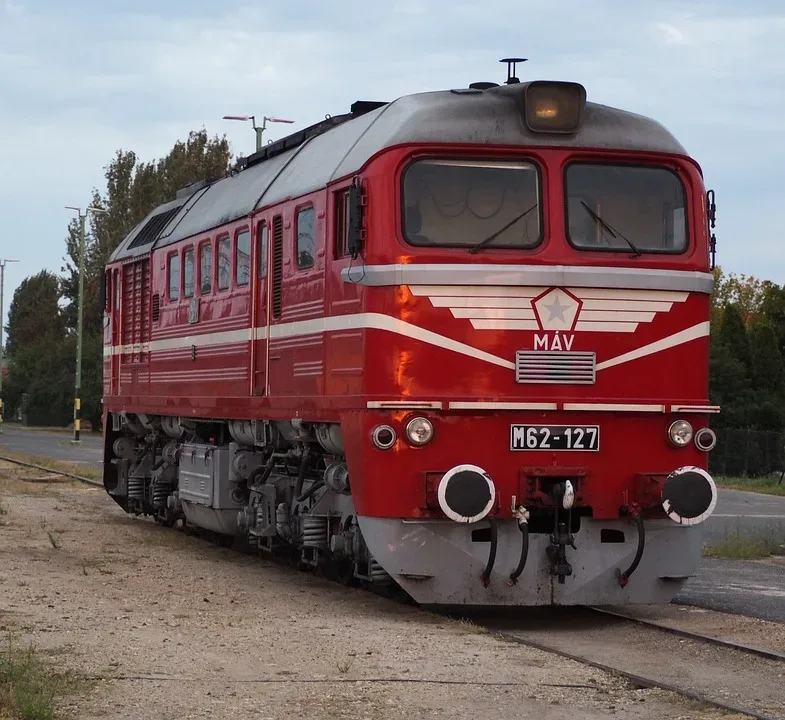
<point x="260" y="321"/>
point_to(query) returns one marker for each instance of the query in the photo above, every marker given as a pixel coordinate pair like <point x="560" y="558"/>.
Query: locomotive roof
<point x="341" y="146"/>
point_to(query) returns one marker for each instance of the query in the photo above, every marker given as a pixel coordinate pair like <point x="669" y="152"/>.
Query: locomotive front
<point x="536" y="426"/>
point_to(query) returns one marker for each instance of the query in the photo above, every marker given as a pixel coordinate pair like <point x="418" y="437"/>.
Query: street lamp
<point x="80" y="313"/>
<point x="2" y="353"/>
<point x="257" y="129"/>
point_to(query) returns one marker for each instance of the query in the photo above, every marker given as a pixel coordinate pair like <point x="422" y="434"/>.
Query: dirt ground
<point x="173" y="627"/>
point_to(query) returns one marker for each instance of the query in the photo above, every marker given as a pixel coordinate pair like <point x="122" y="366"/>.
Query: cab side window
<point x="306" y="242"/>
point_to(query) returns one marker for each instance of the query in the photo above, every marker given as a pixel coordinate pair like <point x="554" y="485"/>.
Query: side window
<point x="206" y="268"/>
<point x="262" y="241"/>
<point x="306" y="246"/>
<point x="224" y="263"/>
<point x="174" y="277"/>
<point x="342" y="223"/>
<point x="188" y="273"/>
<point x="116" y="289"/>
<point x="243" y="253"/>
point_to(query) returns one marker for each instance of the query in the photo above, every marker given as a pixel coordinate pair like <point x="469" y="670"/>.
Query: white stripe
<point x="620" y="327"/>
<point x="615" y="315"/>
<point x="696" y="408"/>
<point x="502" y="406"/>
<point x="206" y="339"/>
<point x="622" y="294"/>
<point x="614" y="407"/>
<point x="475" y="291"/>
<point x="475" y="302"/>
<point x="505" y="325"/>
<point x="498" y="313"/>
<point x="404" y="404"/>
<point x="378" y="321"/>
<point x="638" y="305"/>
<point x="693" y="333"/>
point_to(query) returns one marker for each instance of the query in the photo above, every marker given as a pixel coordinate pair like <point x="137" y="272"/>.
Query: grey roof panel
<point x="318" y="160"/>
<point x="124" y="251"/>
<point x="226" y="200"/>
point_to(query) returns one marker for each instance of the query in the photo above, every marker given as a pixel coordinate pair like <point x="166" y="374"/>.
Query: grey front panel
<point x="436" y="562"/>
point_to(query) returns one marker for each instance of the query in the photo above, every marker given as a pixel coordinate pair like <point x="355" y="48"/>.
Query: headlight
<point x="705" y="439"/>
<point x="419" y="431"/>
<point x="680" y="433"/>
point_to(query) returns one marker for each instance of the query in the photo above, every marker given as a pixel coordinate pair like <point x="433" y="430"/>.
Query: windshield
<point x="623" y="207"/>
<point x="460" y="203"/>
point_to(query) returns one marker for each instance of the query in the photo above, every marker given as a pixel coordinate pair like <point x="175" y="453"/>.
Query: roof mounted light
<point x="554" y="107"/>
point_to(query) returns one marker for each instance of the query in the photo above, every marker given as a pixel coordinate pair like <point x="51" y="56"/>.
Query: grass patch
<point x="767" y="485"/>
<point x="29" y="687"/>
<point x="739" y="547"/>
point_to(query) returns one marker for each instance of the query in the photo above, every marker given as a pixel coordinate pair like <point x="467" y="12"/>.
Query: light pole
<point x="259" y="130"/>
<point x="80" y="314"/>
<point x="2" y="349"/>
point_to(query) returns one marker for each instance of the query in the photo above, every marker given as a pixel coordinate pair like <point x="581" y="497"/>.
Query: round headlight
<point x="419" y="431"/>
<point x="680" y="433"/>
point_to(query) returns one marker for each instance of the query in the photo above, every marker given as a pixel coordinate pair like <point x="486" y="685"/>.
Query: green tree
<point x="34" y="312"/>
<point x="133" y="189"/>
<point x="733" y="335"/>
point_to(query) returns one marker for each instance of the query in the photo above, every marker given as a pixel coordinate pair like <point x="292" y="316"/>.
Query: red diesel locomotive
<point x="457" y="342"/>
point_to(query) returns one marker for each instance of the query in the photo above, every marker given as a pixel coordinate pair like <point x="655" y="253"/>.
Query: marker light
<point x="680" y="433"/>
<point x="554" y="106"/>
<point x="383" y="436"/>
<point x="419" y="431"/>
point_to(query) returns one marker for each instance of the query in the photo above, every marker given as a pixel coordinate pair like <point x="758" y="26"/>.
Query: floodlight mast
<point x="80" y="315"/>
<point x="257" y="129"/>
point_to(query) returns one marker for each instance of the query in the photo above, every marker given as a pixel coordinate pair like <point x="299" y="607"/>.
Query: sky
<point x="81" y="80"/>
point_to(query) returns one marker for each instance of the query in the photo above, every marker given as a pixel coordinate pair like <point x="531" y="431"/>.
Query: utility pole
<point x="2" y="349"/>
<point x="259" y="130"/>
<point x="79" y="321"/>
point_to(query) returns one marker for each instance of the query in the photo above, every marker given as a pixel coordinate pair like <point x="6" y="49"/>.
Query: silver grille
<point x="555" y="368"/>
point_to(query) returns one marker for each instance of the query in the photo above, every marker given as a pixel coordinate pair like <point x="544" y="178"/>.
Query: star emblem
<point x="556" y="310"/>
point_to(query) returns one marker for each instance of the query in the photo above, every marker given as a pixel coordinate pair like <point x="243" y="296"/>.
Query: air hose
<point x="624" y="577"/>
<point x="522" y="515"/>
<point x="486" y="574"/>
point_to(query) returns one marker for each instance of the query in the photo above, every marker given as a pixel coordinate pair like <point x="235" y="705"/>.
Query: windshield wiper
<point x="480" y="245"/>
<point x="614" y="233"/>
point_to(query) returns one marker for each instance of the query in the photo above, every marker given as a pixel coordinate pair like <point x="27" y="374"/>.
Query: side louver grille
<point x="555" y="368"/>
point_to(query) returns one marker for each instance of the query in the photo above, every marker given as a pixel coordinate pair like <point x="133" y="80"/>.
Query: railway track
<point x="87" y="481"/>
<point x="731" y="676"/>
<point x="727" y="675"/>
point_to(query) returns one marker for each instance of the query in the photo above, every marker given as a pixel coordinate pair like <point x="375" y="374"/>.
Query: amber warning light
<point x="554" y="106"/>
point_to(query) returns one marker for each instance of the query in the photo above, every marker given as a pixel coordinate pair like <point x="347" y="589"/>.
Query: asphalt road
<point x="53" y="445"/>
<point x="743" y="587"/>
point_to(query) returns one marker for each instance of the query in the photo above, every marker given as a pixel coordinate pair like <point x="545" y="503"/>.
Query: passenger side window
<point x="224" y="263"/>
<point x="342" y="223"/>
<point x="206" y="268"/>
<point x="262" y="233"/>
<point x="188" y="273"/>
<point x="243" y="261"/>
<point x="174" y="277"/>
<point x="306" y="246"/>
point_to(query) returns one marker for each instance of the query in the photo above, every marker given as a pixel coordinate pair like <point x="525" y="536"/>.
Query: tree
<point x="768" y="370"/>
<point x="744" y="291"/>
<point x="133" y="189"/>
<point x="733" y="335"/>
<point x="34" y="312"/>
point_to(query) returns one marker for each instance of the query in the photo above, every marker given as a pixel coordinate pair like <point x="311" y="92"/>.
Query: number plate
<point x="555" y="437"/>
